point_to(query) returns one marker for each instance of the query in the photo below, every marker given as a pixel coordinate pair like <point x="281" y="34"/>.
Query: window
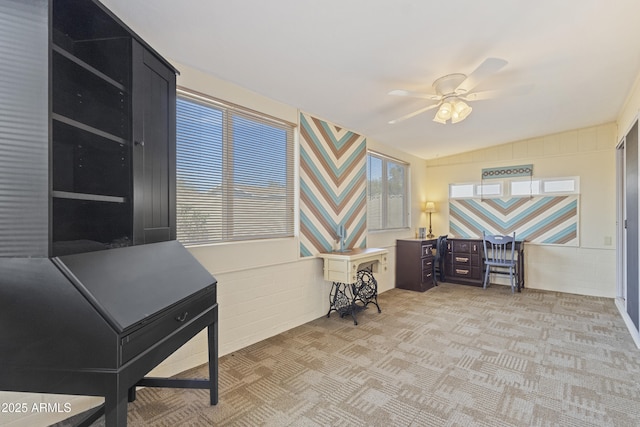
<point x="387" y="192"/>
<point x="467" y="191"/>
<point x="516" y="188"/>
<point x="560" y="185"/>
<point x="489" y="190"/>
<point x="525" y="188"/>
<point x="234" y="173"/>
<point x="545" y="186"/>
<point x="460" y="191"/>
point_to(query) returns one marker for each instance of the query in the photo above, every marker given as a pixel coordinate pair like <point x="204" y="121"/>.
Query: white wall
<point x="589" y="153"/>
<point x="629" y="112"/>
<point x="264" y="288"/>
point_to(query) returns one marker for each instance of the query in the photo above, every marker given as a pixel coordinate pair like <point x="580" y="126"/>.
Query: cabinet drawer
<point x="175" y="318"/>
<point x="427" y="276"/>
<point x="465" y="260"/>
<point x="466" y="272"/>
<point x="427" y="250"/>
<point x="461" y="260"/>
<point x="427" y="264"/>
<point x="467" y="247"/>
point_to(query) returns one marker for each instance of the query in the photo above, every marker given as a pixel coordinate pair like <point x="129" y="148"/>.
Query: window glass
<point x="559" y="186"/>
<point x="486" y="190"/>
<point x="457" y="191"/>
<point x="396" y="195"/>
<point x="374" y="193"/>
<point x="387" y="193"/>
<point x="234" y="174"/>
<point x="525" y="188"/>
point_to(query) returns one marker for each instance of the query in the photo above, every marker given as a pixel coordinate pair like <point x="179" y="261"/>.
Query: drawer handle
<point x="182" y="317"/>
<point x="462" y="259"/>
<point x="458" y="271"/>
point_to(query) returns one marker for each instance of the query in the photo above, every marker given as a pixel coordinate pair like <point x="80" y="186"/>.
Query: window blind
<point x="235" y="178"/>
<point x="387" y="192"/>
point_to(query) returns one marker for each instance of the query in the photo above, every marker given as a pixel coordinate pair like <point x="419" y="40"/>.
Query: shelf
<point x="88" y="197"/>
<point x="88" y="67"/>
<point x="87" y="98"/>
<point x="87" y="128"/>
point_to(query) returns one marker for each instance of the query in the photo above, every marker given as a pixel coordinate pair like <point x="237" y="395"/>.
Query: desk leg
<point x="115" y="404"/>
<point x="340" y="300"/>
<point x="344" y="297"/>
<point x="367" y="289"/>
<point x="212" y="339"/>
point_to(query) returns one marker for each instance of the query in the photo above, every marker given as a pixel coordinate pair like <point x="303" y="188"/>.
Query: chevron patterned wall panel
<point x="547" y="220"/>
<point x="332" y="186"/>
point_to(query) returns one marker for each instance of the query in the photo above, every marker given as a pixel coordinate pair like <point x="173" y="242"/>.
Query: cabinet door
<point x="24" y="167"/>
<point x="154" y="136"/>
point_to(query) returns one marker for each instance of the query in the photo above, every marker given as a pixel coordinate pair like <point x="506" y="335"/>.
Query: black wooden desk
<point x="464" y="262"/>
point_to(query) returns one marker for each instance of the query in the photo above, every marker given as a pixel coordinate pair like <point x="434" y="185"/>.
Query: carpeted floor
<point x="452" y="356"/>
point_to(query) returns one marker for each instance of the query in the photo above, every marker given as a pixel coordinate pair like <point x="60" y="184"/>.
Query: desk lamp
<point x="430" y="207"/>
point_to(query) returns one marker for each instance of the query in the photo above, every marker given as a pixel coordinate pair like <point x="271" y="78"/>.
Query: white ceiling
<point x="338" y="59"/>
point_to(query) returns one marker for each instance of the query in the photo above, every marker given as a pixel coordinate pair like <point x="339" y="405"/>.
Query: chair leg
<point x="511" y="279"/>
<point x="433" y="273"/>
<point x="486" y="276"/>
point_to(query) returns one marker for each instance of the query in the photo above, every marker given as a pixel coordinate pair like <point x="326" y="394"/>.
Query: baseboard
<point x="627" y="320"/>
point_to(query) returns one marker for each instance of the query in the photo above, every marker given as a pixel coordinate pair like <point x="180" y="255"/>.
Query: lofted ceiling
<point x="338" y="59"/>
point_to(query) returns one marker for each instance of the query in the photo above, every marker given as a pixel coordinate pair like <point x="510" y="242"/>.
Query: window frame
<point x="228" y="174"/>
<point x="541" y="186"/>
<point x="385" y="191"/>
<point x="507" y="188"/>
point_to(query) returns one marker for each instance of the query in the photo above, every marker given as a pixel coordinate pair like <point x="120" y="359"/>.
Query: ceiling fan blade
<point x="421" y="95"/>
<point x="415" y="113"/>
<point x="484" y="70"/>
<point x="498" y="93"/>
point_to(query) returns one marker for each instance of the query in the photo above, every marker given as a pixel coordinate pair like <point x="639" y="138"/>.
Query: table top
<point x="353" y="254"/>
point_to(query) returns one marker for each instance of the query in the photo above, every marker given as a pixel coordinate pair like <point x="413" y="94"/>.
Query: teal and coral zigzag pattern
<point x="332" y="186"/>
<point x="547" y="220"/>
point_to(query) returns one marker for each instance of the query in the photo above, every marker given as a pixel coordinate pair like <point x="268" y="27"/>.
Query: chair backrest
<point x="498" y="248"/>
<point x="441" y="246"/>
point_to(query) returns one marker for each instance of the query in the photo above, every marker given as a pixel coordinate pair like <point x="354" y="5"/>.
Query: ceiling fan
<point x="453" y="91"/>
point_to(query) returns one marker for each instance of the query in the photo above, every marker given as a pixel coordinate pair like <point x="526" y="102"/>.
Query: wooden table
<point x="352" y="275"/>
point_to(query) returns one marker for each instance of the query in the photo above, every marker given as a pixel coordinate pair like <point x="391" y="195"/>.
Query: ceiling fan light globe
<point x="461" y="112"/>
<point x="439" y="120"/>
<point x="444" y="112"/>
<point x="460" y="106"/>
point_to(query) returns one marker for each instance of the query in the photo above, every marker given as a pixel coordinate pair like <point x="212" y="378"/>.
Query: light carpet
<point x="452" y="356"/>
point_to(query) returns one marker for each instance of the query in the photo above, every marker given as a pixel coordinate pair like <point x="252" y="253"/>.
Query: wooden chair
<point x="438" y="261"/>
<point x="499" y="254"/>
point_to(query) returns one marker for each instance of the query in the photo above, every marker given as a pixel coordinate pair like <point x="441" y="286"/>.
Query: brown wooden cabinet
<point x="463" y="261"/>
<point x="414" y="264"/>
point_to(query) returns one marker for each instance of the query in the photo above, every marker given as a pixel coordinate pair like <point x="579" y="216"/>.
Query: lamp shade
<point x="443" y="114"/>
<point x="460" y="112"/>
<point x="430" y="207"/>
<point x="439" y="120"/>
<point x="453" y="108"/>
